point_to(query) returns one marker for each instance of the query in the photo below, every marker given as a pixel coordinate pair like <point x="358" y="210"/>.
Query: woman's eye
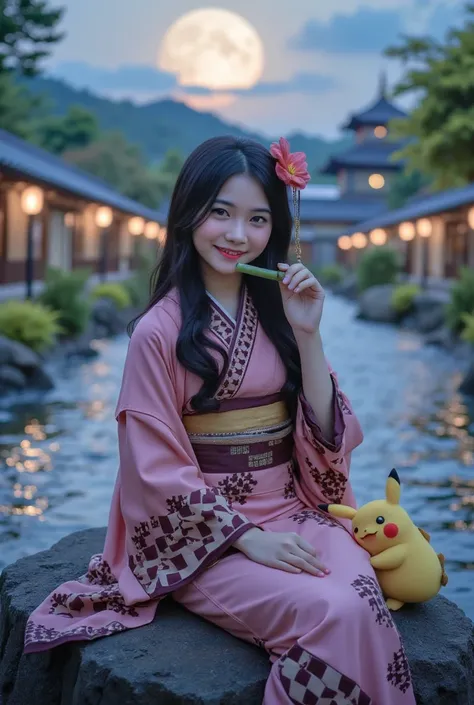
<point x="220" y="211"/>
<point x="259" y="219"/>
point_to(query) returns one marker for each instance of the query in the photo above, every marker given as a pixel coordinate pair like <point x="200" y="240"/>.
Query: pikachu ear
<point x="392" y="488"/>
<point x="338" y="510"/>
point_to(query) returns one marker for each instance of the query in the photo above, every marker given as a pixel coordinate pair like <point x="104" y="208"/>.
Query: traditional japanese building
<point x="363" y="174"/>
<point x="55" y="215"/>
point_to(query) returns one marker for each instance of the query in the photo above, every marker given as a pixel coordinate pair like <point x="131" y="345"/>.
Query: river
<point x="59" y="457"/>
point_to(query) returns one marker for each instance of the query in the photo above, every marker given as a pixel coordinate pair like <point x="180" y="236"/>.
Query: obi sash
<point x="243" y="439"/>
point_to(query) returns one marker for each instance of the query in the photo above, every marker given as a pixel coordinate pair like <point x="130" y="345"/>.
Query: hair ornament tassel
<point x="292" y="169"/>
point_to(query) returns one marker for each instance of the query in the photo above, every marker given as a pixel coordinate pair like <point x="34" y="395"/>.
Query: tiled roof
<point x="28" y="160"/>
<point x="420" y="208"/>
<point x="378" y="113"/>
<point x="343" y="210"/>
<point x="373" y="155"/>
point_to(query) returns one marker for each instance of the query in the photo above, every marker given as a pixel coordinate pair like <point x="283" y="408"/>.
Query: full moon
<point x="213" y="48"/>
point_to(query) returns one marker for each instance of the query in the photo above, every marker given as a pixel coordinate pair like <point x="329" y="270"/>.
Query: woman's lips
<point x="230" y="254"/>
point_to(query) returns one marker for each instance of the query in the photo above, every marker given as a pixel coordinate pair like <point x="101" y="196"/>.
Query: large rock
<point x="375" y="304"/>
<point x="108" y="319"/>
<point x="18" y="355"/>
<point x="180" y="659"/>
<point x="12" y="377"/>
<point x="467" y="384"/>
<point x="429" y="309"/>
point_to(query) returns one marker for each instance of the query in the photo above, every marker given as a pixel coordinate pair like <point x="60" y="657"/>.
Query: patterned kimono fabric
<point x="189" y="485"/>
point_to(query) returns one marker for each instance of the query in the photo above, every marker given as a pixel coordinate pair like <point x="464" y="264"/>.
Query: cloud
<point x="129" y="77"/>
<point x="139" y="79"/>
<point x="299" y="83"/>
<point x="368" y="30"/>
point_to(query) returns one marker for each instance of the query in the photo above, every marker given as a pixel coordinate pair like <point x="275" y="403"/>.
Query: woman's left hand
<point x="303" y="298"/>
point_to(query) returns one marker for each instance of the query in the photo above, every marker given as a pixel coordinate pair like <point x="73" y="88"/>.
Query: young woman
<point x="232" y="430"/>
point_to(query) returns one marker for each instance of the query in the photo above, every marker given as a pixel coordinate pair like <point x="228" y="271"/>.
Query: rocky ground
<point x="179" y="659"/>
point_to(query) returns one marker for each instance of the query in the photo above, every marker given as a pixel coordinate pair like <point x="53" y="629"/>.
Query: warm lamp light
<point x="406" y="231"/>
<point x="344" y="242"/>
<point x="152" y="230"/>
<point x="380" y="132"/>
<point x="376" y="181"/>
<point x="359" y="240"/>
<point x="104" y="217"/>
<point x="32" y="200"/>
<point x="136" y="225"/>
<point x="424" y="227"/>
<point x="378" y="236"/>
<point x="470" y="218"/>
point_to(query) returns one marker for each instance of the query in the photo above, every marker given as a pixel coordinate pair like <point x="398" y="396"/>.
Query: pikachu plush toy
<point x="406" y="565"/>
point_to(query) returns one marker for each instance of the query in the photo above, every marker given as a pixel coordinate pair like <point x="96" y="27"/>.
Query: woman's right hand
<point x="286" y="551"/>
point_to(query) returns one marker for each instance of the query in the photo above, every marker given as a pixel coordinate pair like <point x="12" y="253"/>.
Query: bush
<point x="330" y="274"/>
<point x="64" y="292"/>
<point x="29" y="323"/>
<point x="138" y="285"/>
<point x="468" y="332"/>
<point x="402" y="297"/>
<point x="378" y="265"/>
<point x="462" y="300"/>
<point x="113" y="291"/>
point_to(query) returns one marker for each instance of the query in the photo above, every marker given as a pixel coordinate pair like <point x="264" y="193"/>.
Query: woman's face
<point x="237" y="228"/>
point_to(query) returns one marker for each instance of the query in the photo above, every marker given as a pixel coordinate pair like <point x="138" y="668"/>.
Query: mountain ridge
<point x="165" y="123"/>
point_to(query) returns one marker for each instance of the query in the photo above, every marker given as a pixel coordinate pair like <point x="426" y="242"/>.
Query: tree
<point x="75" y="130"/>
<point x="440" y="130"/>
<point x="27" y="29"/>
<point x="120" y="164"/>
<point x="166" y="173"/>
<point x="16" y="105"/>
<point x="405" y="186"/>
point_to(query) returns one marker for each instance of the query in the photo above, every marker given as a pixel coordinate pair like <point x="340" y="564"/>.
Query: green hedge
<point x="378" y="265"/>
<point x="114" y="291"/>
<point x="29" y="323"/>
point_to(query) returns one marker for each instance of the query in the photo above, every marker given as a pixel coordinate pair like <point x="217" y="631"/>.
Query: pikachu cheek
<point x="390" y="530"/>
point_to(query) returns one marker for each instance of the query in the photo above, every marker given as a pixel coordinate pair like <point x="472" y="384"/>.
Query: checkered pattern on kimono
<point x="221" y="327"/>
<point x="240" y="356"/>
<point x="169" y="548"/>
<point x="309" y="681"/>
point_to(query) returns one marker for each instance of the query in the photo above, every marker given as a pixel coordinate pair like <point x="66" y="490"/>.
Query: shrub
<point x="330" y="274"/>
<point x="462" y="300"/>
<point x="138" y="289"/>
<point x="114" y="291"/>
<point x="64" y="292"/>
<point x="378" y="265"/>
<point x="29" y="323"/>
<point x="468" y="330"/>
<point x="402" y="297"/>
<point x="138" y="285"/>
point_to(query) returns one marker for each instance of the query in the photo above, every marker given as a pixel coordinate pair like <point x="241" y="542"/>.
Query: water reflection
<point x="58" y="459"/>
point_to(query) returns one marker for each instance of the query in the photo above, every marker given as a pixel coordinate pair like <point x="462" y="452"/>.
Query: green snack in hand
<point x="275" y="275"/>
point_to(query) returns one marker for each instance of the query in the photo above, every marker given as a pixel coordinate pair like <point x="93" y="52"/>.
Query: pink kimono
<point x="189" y="485"/>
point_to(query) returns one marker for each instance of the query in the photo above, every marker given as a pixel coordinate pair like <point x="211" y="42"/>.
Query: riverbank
<point x="424" y="311"/>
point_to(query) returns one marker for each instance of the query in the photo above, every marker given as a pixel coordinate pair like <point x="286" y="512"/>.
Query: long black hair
<point x="202" y="177"/>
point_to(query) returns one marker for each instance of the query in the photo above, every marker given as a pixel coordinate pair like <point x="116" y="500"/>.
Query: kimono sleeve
<point x="175" y="525"/>
<point x="324" y="463"/>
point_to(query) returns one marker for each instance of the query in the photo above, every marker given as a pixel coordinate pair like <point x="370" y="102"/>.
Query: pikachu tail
<point x="444" y="576"/>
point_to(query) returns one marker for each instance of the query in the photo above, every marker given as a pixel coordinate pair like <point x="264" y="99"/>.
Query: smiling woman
<point x="213" y="48"/>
